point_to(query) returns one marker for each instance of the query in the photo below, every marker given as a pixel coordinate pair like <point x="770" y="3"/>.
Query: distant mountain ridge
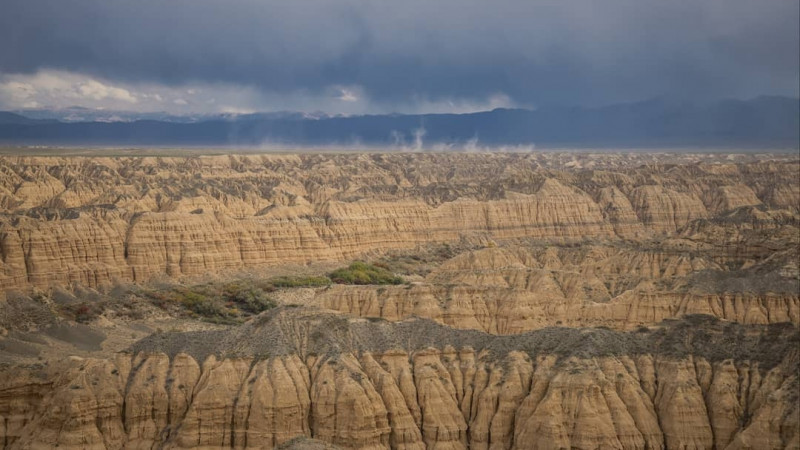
<point x="10" y="118"/>
<point x="80" y="114"/>
<point x="760" y="122"/>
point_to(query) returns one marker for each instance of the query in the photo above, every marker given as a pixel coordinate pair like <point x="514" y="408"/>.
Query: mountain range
<point x="762" y="122"/>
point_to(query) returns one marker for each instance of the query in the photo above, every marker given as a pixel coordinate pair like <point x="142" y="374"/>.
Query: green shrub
<point x="290" y="282"/>
<point x="250" y="299"/>
<point x="202" y="305"/>
<point x="363" y="273"/>
<point x="219" y="303"/>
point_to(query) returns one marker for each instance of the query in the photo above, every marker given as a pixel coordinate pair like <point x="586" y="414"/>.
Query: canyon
<point x="545" y="300"/>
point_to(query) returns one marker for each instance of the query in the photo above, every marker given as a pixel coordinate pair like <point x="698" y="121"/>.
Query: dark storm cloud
<point x="560" y="51"/>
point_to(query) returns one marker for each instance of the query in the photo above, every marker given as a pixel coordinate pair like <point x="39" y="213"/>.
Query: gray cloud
<point x="417" y="51"/>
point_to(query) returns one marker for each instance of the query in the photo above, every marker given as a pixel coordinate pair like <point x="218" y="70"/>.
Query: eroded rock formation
<point x="516" y="289"/>
<point x="551" y="301"/>
<point x="417" y="385"/>
<point x="95" y="221"/>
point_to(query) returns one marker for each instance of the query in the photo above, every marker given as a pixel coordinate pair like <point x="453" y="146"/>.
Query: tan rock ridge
<point x="97" y="220"/>
<point x="495" y="312"/>
<point x="416" y="385"/>
<point x="517" y="288"/>
<point x="92" y="250"/>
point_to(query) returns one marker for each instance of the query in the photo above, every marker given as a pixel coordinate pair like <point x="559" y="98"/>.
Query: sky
<point x="410" y="56"/>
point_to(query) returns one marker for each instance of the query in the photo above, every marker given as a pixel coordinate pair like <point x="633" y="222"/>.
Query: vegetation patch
<point x="362" y="273"/>
<point x="252" y="299"/>
<point x="292" y="282"/>
<point x="84" y="312"/>
<point x="423" y="259"/>
<point x="229" y="302"/>
<point x="219" y="303"/>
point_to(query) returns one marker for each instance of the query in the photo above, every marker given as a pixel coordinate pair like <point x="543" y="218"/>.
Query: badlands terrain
<point x="400" y="300"/>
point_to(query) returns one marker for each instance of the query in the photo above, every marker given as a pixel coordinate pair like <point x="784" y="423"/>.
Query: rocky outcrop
<point x="666" y="210"/>
<point x="726" y="198"/>
<point x="375" y="385"/>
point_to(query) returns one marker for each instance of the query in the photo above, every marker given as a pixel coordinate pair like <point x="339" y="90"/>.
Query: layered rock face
<point x="417" y="385"/>
<point x="98" y="220"/>
<point x="516" y="289"/>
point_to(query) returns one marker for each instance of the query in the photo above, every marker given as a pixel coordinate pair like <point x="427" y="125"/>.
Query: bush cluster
<point x="291" y="282"/>
<point x="202" y="305"/>
<point x="251" y="299"/>
<point x="363" y="273"/>
<point x="234" y="301"/>
<point x="222" y="303"/>
<point x="84" y="312"/>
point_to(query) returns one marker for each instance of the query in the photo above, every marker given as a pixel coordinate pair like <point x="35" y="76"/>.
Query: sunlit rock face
<point x="100" y="220"/>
